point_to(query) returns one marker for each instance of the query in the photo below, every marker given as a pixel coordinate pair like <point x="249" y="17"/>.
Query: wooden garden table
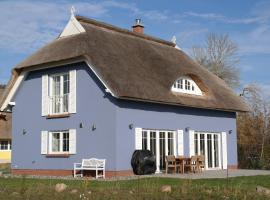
<point x="183" y="160"/>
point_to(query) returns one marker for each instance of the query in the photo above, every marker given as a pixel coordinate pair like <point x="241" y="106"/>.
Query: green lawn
<point x="148" y="188"/>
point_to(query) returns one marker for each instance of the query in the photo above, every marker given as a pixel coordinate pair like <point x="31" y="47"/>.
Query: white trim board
<point x="14" y="89"/>
<point x="101" y="80"/>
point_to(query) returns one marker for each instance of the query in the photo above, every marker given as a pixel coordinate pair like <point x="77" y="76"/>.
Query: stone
<point x="15" y="193"/>
<point x="208" y="191"/>
<point x="74" y="191"/>
<point x="263" y="190"/>
<point x="166" y="189"/>
<point x="60" y="187"/>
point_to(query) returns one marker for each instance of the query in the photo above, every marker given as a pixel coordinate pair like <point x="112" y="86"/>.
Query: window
<point x="186" y="85"/>
<point x="59" y="142"/>
<point x="5" y="145"/>
<point x="59" y="94"/>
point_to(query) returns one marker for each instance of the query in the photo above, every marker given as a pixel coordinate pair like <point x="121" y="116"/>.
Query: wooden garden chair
<point x="192" y="164"/>
<point x="170" y="163"/>
<point x="201" y="164"/>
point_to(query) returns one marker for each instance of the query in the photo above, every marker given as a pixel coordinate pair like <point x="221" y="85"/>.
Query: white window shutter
<point x="174" y="143"/>
<point x="138" y="138"/>
<point x="72" y="141"/>
<point x="72" y="86"/>
<point x="44" y="142"/>
<point x="44" y="96"/>
<point x="180" y="142"/>
<point x="224" y="150"/>
<point x="191" y="143"/>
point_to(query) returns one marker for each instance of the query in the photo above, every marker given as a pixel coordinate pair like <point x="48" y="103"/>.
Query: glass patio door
<point x="208" y="144"/>
<point x="160" y="143"/>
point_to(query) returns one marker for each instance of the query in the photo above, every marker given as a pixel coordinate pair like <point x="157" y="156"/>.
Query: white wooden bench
<point x="92" y="164"/>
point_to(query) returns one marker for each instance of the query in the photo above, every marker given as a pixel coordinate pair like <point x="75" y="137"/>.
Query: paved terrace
<point x="217" y="174"/>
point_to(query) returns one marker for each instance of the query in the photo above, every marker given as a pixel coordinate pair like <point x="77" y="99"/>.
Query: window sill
<point x="58" y="116"/>
<point x="58" y="155"/>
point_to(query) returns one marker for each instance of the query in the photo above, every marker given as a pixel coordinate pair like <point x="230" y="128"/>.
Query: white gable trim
<point x="13" y="90"/>
<point x="101" y="80"/>
<point x="73" y="27"/>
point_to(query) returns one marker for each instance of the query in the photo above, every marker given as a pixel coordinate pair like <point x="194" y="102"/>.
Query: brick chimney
<point x="138" y="26"/>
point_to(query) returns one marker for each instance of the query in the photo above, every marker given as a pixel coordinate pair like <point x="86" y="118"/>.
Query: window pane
<point x="181" y="84"/>
<point x="144" y="140"/>
<point x="66" y="84"/>
<point x="55" y="142"/>
<point x="170" y="143"/>
<point x="216" y="150"/>
<point x="153" y="142"/>
<point x="209" y="149"/>
<point x="196" y="143"/>
<point x="187" y="85"/>
<point x="65" y="141"/>
<point x="162" y="149"/>
<point x="56" y="85"/>
<point x="4" y="145"/>
<point x="55" y="98"/>
<point x="202" y="144"/>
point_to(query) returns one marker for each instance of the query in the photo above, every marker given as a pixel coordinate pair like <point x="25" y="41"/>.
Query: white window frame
<point x="61" y="93"/>
<point x="50" y="138"/>
<point x="8" y="146"/>
<point x="186" y="85"/>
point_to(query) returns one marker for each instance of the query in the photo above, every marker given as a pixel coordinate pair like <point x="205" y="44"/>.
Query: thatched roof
<point x="137" y="67"/>
<point x="5" y="120"/>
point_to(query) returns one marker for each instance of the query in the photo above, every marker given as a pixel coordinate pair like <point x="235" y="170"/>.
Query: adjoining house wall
<point x="94" y="107"/>
<point x="5" y="156"/>
<point x="161" y="117"/>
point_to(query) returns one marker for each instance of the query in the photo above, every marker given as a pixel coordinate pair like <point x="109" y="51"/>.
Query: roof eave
<point x="184" y="105"/>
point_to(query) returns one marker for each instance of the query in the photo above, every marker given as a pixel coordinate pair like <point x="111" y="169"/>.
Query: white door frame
<point x="212" y="148"/>
<point x="157" y="133"/>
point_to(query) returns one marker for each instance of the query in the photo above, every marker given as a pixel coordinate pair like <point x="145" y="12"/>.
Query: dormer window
<point x="186" y="85"/>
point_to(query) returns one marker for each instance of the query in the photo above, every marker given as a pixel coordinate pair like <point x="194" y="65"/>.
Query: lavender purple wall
<point x="155" y="116"/>
<point x="93" y="107"/>
<point x="112" y="139"/>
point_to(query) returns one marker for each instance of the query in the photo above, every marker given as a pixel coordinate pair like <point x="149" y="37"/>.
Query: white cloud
<point x="29" y="25"/>
<point x="225" y="19"/>
<point x="256" y="41"/>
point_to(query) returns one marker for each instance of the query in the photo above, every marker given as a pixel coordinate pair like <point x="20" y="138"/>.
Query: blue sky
<point x="28" y="25"/>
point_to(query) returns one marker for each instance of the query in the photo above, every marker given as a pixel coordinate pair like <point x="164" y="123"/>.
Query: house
<point x="102" y="91"/>
<point x="5" y="133"/>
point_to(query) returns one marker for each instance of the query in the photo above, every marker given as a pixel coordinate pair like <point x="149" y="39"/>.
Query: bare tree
<point x="219" y="55"/>
<point x="254" y="127"/>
